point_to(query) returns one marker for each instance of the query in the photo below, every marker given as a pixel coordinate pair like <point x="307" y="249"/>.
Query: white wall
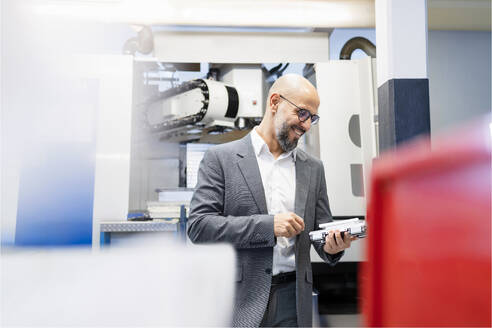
<point x="459" y="77"/>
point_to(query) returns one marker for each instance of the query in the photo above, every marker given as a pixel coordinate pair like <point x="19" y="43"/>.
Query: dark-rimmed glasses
<point x="302" y="113"/>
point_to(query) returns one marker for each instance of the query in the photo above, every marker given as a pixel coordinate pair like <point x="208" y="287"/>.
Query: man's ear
<point x="274" y="100"/>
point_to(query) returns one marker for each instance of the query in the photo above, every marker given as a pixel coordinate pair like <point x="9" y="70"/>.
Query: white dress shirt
<point x="279" y="182"/>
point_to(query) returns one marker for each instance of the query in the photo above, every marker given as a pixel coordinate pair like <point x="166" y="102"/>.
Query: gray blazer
<point x="229" y="206"/>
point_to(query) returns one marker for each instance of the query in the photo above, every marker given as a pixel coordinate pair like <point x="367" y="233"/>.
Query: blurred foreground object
<point x="144" y="286"/>
<point x="429" y="248"/>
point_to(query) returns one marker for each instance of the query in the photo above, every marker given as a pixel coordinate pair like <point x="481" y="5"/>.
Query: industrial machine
<point x="167" y="148"/>
<point x="147" y="115"/>
<point x="177" y="105"/>
<point x="204" y="102"/>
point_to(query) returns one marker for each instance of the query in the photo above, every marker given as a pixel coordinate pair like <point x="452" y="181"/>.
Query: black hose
<point x="357" y="43"/>
<point x="281" y="71"/>
<point x="273" y="70"/>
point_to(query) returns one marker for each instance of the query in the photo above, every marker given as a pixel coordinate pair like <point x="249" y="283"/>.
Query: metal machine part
<point x="144" y="43"/>
<point x="202" y="101"/>
<point x="354" y="227"/>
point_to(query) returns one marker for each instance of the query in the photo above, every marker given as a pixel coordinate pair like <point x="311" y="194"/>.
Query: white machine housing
<point x="250" y="82"/>
<point x="218" y="101"/>
<point x="181" y="105"/>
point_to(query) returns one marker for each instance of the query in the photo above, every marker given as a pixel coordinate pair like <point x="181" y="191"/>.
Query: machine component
<point x="201" y="101"/>
<point x="358" y="43"/>
<point x="230" y="98"/>
<point x="144" y="43"/>
<point x="350" y="87"/>
<point x="355" y="227"/>
<point x="276" y="70"/>
<point x="308" y="70"/>
<point x="250" y="81"/>
<point x="213" y="74"/>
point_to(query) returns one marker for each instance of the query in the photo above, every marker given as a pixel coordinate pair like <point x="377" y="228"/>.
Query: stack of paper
<point x="165" y="210"/>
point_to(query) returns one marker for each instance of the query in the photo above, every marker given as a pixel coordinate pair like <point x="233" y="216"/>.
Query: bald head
<point x="295" y="86"/>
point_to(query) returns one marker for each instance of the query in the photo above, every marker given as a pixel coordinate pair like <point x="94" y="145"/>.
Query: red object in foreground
<point x="429" y="232"/>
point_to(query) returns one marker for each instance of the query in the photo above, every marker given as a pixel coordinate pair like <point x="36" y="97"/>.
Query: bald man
<point x="264" y="196"/>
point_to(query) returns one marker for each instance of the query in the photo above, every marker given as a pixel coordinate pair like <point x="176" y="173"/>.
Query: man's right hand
<point x="287" y="225"/>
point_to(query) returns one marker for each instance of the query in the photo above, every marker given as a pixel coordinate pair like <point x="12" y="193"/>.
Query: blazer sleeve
<point x="323" y="215"/>
<point x="207" y="222"/>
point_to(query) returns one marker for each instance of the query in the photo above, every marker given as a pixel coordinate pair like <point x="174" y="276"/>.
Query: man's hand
<point x="287" y="225"/>
<point x="334" y="242"/>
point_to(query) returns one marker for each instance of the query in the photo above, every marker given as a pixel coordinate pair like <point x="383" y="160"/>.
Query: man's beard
<point x="283" y="138"/>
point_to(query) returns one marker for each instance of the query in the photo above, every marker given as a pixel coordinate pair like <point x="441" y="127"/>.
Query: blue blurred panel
<point x="56" y="193"/>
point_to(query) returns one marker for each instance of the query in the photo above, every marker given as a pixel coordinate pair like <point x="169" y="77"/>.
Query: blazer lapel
<point x="248" y="165"/>
<point x="303" y="179"/>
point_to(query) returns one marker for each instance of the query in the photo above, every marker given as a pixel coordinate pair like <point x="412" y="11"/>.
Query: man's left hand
<point x="334" y="242"/>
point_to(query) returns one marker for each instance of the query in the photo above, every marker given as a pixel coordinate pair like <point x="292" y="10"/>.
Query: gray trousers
<point x="281" y="309"/>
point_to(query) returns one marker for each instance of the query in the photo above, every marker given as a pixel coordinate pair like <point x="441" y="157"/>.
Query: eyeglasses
<point x="302" y="113"/>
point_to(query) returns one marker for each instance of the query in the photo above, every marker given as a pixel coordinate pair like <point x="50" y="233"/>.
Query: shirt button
<point x="268" y="271"/>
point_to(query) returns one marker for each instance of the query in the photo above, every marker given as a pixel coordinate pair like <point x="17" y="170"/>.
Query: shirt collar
<point x="260" y="145"/>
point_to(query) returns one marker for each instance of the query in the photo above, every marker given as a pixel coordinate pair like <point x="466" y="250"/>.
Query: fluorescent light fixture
<point x="252" y="13"/>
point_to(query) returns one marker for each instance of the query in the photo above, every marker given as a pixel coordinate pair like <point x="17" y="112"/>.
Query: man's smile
<point x="298" y="130"/>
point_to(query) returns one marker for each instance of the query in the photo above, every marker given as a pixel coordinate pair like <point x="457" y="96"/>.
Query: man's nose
<point x="306" y="125"/>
